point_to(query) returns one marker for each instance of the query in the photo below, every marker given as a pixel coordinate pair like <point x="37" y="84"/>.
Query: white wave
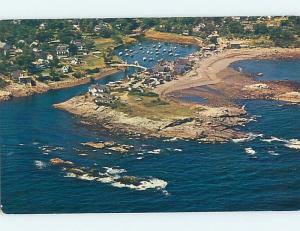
<point x="155" y="151"/>
<point x="174" y="149"/>
<point x="87" y="177"/>
<point x="273" y="153"/>
<point x="114" y="171"/>
<point x="106" y="180"/>
<point x="70" y="174"/>
<point x="153" y="183"/>
<point x="171" y="140"/>
<point x="250" y="151"/>
<point x="40" y="164"/>
<point x="273" y="138"/>
<point x="250" y="136"/>
<point x="293" y="143"/>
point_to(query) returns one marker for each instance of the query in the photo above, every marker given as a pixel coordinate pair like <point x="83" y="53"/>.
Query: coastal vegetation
<point x="51" y="51"/>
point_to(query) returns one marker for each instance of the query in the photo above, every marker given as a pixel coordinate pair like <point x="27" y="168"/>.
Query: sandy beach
<point x="211" y="70"/>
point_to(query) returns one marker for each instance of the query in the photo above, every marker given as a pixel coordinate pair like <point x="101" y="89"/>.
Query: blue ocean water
<point x="200" y="177"/>
<point x="271" y="69"/>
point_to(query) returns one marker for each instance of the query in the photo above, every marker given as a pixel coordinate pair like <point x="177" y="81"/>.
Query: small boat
<point x="144" y="59"/>
<point x="126" y="50"/>
<point x="164" y="50"/>
<point x="131" y="50"/>
<point x="120" y="53"/>
<point x="154" y="45"/>
<point x="159" y="46"/>
<point x="141" y="48"/>
<point x="148" y="52"/>
<point x="126" y="54"/>
<point x="156" y="49"/>
<point x="260" y="74"/>
<point x="176" y="55"/>
<point x="171" y="54"/>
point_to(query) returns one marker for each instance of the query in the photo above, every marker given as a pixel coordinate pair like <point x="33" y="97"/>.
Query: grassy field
<point x="172" y="37"/>
<point x="154" y="108"/>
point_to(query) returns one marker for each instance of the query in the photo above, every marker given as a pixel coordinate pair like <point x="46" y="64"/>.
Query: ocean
<point x="197" y="177"/>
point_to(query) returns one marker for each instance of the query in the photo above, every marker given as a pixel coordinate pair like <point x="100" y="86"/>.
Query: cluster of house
<point x="101" y="93"/>
<point x="62" y="50"/>
<point x="163" y="72"/>
<point x="9" y="50"/>
<point x="21" y="77"/>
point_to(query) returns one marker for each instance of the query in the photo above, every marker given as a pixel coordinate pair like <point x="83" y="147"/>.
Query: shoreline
<point x="215" y="73"/>
<point x="214" y="122"/>
<point x="207" y="71"/>
<point x="17" y="90"/>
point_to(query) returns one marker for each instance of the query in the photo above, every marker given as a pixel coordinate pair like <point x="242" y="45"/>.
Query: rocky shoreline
<point x="208" y="124"/>
<point x="15" y="90"/>
<point x="215" y="121"/>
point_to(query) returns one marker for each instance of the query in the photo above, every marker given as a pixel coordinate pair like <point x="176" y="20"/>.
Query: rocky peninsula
<point x="210" y="78"/>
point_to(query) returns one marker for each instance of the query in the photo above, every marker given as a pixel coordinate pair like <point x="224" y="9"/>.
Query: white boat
<point x="144" y="58"/>
<point x="120" y="53"/>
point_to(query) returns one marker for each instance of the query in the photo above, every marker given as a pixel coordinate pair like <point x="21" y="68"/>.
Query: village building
<point x="16" y="74"/>
<point x="98" y="90"/>
<point x="49" y="57"/>
<point x="42" y="26"/>
<point x="26" y="80"/>
<point x="66" y="69"/>
<point x="4" y="48"/>
<point x="78" y="43"/>
<point x="75" y="61"/>
<point x="235" y="45"/>
<point x="62" y="51"/>
<point x="100" y="26"/>
<point x="198" y="28"/>
<point x="186" y="32"/>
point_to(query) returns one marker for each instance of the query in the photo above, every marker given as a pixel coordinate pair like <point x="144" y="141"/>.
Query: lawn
<point x="171" y="37"/>
<point x="155" y="109"/>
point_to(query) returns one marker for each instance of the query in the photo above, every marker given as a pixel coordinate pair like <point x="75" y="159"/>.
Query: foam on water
<point x="273" y="153"/>
<point x="291" y="143"/>
<point x="250" y="136"/>
<point x="40" y="164"/>
<point x="250" y="151"/>
<point x="155" y="151"/>
<point x="114" y="171"/>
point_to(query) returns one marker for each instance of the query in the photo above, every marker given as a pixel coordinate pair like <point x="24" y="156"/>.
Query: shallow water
<point x="200" y="177"/>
